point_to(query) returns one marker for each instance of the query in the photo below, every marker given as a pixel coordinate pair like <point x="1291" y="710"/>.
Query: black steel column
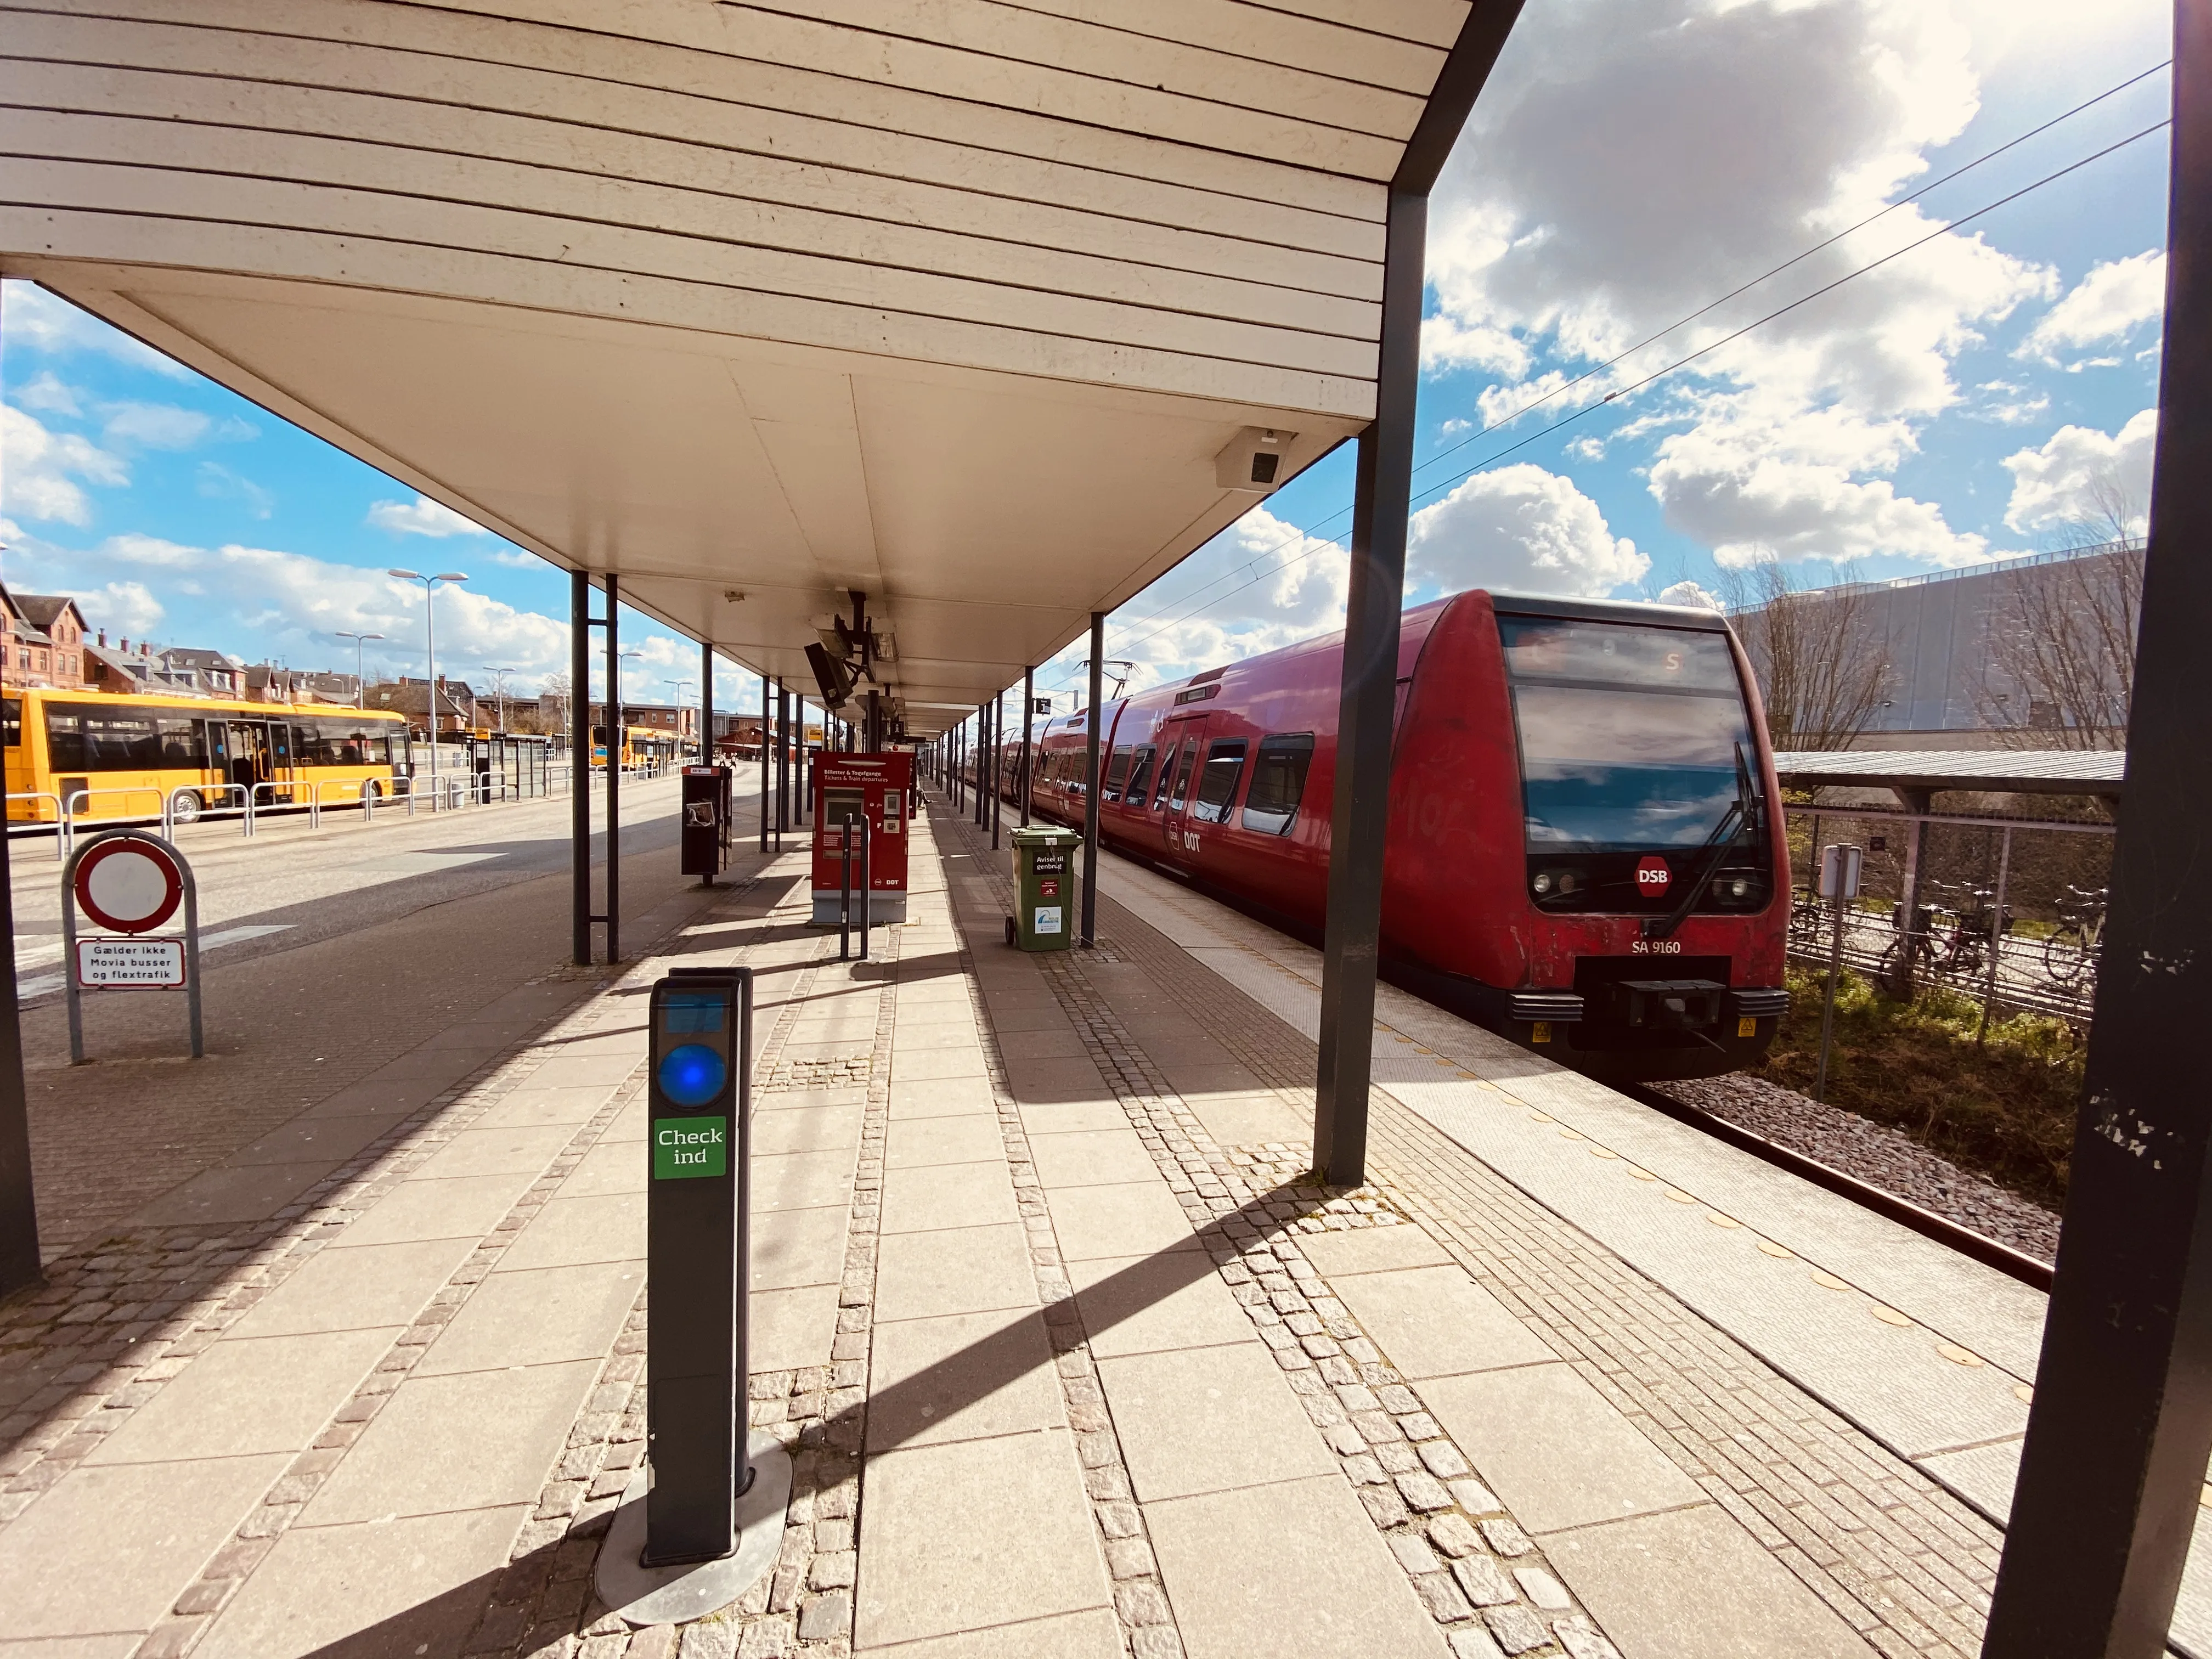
<point x="706" y="703"/>
<point x="765" y="791"/>
<point x="1029" y="721"/>
<point x="19" y="1215"/>
<point x="614" y="776"/>
<point x="1090" y="935"/>
<point x="1382" y="497"/>
<point x="580" y="767"/>
<point x="2113" y="1467"/>
<point x="998" y="763"/>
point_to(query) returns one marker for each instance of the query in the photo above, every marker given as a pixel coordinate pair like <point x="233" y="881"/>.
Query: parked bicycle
<point x="2069" y="954"/>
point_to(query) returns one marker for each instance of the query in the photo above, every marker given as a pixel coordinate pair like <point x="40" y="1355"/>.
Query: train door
<point x="1180" y="779"/>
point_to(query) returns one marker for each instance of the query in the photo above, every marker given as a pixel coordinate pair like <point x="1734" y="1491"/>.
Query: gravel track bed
<point x="1872" y="1152"/>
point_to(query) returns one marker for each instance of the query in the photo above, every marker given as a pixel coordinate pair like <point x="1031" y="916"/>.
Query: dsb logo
<point x="1653" y="876"/>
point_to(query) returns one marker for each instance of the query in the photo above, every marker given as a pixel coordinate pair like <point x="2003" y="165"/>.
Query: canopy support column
<point x="20" y="1265"/>
<point x="1029" y="720"/>
<point x="2112" y="1470"/>
<point x="1091" y="782"/>
<point x="1359" y="814"/>
<point x="580" y="767"/>
<point x="615" y="746"/>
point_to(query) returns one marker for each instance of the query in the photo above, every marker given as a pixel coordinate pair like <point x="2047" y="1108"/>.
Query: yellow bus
<point x="125" y="755"/>
<point x="641" y="745"/>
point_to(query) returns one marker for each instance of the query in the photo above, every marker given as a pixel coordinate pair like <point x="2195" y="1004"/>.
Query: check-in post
<point x="696" y="1214"/>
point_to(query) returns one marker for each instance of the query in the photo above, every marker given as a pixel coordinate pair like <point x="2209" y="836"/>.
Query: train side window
<point x="1180" y="792"/>
<point x="1140" y="777"/>
<point x="1217" y="783"/>
<point x="1160" y="789"/>
<point x="1279" y="781"/>
<point x="1117" y="774"/>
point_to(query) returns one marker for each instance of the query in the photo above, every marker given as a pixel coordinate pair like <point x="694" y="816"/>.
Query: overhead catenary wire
<point x="1566" y="387"/>
<point x="1544" y="432"/>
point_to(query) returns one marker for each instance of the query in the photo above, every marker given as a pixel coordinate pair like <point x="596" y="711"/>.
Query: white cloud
<point x="1689" y="594"/>
<point x="46" y="393"/>
<point x="43" y="322"/>
<point x="422" y="517"/>
<point x="40" y="470"/>
<point x="122" y="608"/>
<point x="218" y="483"/>
<point x="165" y="426"/>
<point x="1522" y="529"/>
<point x="295" y="604"/>
<point x="2108" y="304"/>
<point x="2079" y="475"/>
<point x="1631" y="159"/>
<point x="516" y="559"/>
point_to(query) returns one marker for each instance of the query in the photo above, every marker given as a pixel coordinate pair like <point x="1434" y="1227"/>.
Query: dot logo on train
<point x="1577" y="787"/>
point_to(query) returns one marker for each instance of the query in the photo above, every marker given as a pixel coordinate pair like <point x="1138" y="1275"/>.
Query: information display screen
<point x="692" y="1012"/>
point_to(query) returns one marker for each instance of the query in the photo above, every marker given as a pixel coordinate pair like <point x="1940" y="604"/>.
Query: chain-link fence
<point x="2010" y="912"/>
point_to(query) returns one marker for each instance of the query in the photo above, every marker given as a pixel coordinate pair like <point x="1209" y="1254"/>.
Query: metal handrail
<point x="314" y="809"/>
<point x="60" y="851"/>
<point x="200" y="791"/>
<point x="71" y="799"/>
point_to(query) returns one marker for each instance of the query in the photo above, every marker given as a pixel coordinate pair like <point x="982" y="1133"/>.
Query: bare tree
<point x="2061" y="634"/>
<point x="1823" y="667"/>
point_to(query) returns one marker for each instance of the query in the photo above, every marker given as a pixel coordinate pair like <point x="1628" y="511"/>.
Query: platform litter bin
<point x="1044" y="888"/>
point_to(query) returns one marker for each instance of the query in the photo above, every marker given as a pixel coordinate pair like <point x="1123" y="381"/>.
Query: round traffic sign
<point x="128" y="884"/>
<point x="1653" y="876"/>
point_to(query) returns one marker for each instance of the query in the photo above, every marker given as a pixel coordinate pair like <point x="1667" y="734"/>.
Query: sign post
<point x="1841" y="868"/>
<point x="129" y="882"/>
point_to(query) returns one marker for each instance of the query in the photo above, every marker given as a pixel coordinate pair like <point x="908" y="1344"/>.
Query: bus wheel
<point x="372" y="790"/>
<point x="185" y="808"/>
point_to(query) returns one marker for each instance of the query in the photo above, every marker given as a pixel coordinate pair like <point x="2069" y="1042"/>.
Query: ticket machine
<point x="876" y="787"/>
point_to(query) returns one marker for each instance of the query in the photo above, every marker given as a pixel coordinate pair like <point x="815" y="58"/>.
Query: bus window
<point x="88" y="739"/>
<point x="11" y="721"/>
<point x="179" y="740"/>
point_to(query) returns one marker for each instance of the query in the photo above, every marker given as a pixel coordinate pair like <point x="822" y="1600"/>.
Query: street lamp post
<point x="358" y="640"/>
<point x="499" y="691"/>
<point x="430" y="652"/>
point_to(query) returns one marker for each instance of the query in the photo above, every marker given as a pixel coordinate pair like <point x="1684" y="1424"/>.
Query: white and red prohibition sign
<point x="129" y="884"/>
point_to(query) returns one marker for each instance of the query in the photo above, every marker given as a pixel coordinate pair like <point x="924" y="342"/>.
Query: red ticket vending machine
<point x="881" y="788"/>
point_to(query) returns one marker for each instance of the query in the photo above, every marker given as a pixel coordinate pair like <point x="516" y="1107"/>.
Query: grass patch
<point x="2003" y="1108"/>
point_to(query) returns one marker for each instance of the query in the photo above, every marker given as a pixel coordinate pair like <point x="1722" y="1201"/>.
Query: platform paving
<point x="1072" y="1356"/>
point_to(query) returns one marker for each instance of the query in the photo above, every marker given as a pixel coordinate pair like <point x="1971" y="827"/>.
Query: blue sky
<point x="1631" y="162"/>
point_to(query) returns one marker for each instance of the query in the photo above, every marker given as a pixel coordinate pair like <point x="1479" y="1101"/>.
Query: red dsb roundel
<point x="1652" y="876"/>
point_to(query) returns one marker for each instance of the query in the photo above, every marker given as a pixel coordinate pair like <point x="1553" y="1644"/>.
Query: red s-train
<point x="1584" y="852"/>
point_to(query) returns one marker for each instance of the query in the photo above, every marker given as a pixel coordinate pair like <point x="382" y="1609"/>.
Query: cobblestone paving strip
<point x="543" y="1605"/>
<point x="1904" y="1563"/>
<point x="1475" y="1569"/>
<point x="116" y="1320"/>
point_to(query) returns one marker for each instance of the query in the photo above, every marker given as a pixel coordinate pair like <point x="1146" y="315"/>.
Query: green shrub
<point x="2003" y="1107"/>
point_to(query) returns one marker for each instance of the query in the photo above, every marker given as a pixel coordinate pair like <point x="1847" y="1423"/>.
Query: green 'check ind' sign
<point x="685" y="1146"/>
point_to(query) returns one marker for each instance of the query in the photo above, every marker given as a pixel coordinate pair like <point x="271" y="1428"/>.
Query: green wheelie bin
<point x="1044" y="888"/>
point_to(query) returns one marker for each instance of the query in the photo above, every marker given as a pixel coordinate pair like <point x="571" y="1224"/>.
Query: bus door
<point x="245" y="747"/>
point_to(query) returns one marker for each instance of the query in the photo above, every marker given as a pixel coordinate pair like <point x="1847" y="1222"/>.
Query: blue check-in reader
<point x="699" y="1096"/>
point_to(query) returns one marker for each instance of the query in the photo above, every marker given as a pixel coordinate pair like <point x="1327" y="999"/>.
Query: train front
<point x="1613" y="846"/>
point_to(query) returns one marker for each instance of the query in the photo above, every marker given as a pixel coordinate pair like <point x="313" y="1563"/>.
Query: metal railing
<point x="197" y="794"/>
<point x="35" y="824"/>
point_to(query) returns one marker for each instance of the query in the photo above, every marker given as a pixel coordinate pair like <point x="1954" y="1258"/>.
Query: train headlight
<point x="1542" y="884"/>
<point x="1567" y="882"/>
<point x="1736" y="887"/>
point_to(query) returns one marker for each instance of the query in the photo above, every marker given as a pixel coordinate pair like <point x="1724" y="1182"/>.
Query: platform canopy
<point x="955" y="304"/>
<point x="2100" y="772"/>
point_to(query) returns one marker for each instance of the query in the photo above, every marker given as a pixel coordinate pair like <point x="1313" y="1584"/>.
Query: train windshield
<point x="1633" y="738"/>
